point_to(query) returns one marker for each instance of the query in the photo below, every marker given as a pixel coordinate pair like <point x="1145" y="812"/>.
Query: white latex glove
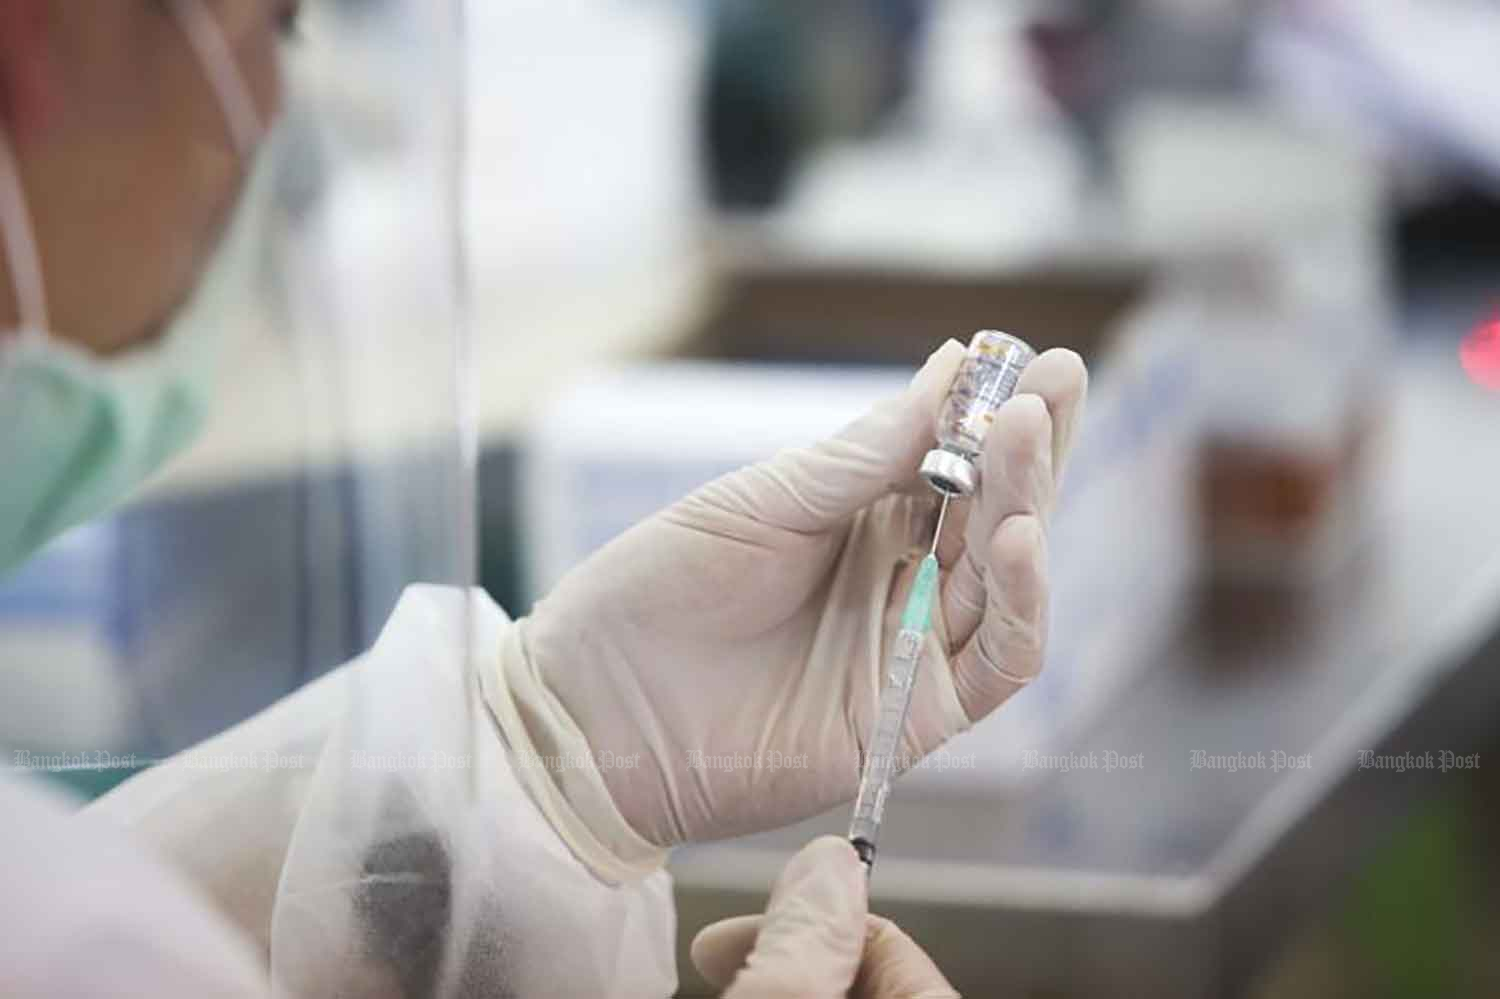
<point x="750" y="619"/>
<point x="817" y="939"/>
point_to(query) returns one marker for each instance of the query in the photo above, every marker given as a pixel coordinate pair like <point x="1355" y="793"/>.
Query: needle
<point x="937" y="532"/>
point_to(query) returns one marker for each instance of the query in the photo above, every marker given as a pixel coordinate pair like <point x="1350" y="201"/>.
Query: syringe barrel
<point x="881" y="763"/>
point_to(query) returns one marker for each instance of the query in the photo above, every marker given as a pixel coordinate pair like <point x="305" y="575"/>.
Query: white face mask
<point x="77" y="432"/>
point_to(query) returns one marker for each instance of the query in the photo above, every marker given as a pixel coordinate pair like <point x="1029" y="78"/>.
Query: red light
<point x="1480" y="354"/>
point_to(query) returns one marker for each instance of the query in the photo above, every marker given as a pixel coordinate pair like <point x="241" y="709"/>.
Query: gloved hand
<point x="817" y="939"/>
<point x="720" y="662"/>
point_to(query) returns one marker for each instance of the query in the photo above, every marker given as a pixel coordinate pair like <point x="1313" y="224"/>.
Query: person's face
<point x="126" y="159"/>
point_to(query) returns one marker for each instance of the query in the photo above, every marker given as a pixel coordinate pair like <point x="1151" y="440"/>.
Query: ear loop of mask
<point x="217" y="61"/>
<point x="20" y="247"/>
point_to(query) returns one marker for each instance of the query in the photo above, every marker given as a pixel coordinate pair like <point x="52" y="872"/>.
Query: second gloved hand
<point x="714" y="670"/>
<point x="817" y="940"/>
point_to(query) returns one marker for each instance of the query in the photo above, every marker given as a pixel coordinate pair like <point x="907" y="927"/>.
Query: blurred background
<point x="1264" y="757"/>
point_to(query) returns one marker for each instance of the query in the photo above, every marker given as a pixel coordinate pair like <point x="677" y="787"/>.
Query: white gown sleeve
<point x="338" y="830"/>
<point x="223" y="811"/>
<point x="85" y="913"/>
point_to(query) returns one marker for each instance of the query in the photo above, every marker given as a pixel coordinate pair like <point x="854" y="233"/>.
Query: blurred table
<point x="1182" y="879"/>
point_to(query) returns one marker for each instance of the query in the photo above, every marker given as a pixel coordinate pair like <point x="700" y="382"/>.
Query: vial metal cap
<point x="948" y="472"/>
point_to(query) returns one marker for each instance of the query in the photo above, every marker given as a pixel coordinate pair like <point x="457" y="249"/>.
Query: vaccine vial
<point x="986" y="377"/>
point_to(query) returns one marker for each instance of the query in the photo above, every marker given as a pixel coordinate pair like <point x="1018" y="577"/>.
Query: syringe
<point x="895" y="699"/>
<point x="985" y="379"/>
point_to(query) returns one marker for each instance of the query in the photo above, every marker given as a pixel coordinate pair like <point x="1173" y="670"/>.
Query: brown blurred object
<point x="1251" y="492"/>
<point x="1278" y="520"/>
<point x="1280" y="484"/>
<point x="853" y="314"/>
<point x="1280" y="512"/>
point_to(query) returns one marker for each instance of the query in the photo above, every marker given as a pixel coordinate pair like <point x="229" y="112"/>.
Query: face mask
<point x="79" y="432"/>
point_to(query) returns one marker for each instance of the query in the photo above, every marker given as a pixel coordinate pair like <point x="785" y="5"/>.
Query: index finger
<point x="1060" y="378"/>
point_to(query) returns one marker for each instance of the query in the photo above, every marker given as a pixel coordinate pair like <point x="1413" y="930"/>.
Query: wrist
<point x="555" y="763"/>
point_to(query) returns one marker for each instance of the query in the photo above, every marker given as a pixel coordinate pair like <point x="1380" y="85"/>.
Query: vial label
<point x="986" y="378"/>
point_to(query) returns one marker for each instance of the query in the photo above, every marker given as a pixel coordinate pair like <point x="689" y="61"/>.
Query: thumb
<point x="811" y="938"/>
<point x="892" y="967"/>
<point x="895" y="967"/>
<point x="813" y="488"/>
